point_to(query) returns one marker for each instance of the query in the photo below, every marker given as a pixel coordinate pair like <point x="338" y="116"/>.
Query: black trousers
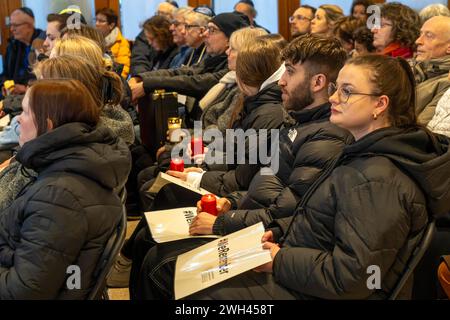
<point x="156" y="279"/>
<point x="141" y="241"/>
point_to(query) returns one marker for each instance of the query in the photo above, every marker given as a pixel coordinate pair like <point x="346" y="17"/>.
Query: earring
<point x="375" y="116"/>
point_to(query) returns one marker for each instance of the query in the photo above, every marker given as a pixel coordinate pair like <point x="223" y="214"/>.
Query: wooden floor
<point x="123" y="294"/>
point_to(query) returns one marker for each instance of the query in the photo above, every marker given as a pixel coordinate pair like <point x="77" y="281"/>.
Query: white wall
<point x="267" y="11"/>
<point x="42" y="8"/>
<point x="344" y="4"/>
<point x="135" y="12"/>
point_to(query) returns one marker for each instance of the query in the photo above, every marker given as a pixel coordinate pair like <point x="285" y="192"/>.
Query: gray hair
<point x="433" y="10"/>
<point x="199" y="18"/>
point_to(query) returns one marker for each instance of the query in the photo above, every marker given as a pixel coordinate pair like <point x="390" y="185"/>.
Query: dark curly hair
<point x="345" y="27"/>
<point x="159" y="27"/>
<point x="406" y="23"/>
<point x="365" y="37"/>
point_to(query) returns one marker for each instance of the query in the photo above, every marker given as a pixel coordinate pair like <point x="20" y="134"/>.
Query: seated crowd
<point x="358" y="172"/>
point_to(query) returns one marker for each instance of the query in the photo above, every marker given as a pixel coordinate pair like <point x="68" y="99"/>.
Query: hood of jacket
<point x="271" y="94"/>
<point x="423" y="156"/>
<point x="79" y="149"/>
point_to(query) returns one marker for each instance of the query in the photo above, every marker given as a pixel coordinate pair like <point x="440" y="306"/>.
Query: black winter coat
<point x="368" y="209"/>
<point x="66" y="216"/>
<point x="306" y="150"/>
<point x="142" y="56"/>
<point x="263" y="111"/>
<point x="193" y="81"/>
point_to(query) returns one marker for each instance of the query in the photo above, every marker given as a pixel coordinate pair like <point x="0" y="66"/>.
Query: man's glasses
<point x="212" y="30"/>
<point x="345" y="93"/>
<point x="193" y="26"/>
<point x="177" y="23"/>
<point x="298" y="17"/>
<point x="17" y="25"/>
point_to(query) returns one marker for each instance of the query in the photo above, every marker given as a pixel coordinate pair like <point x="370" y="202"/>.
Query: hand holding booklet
<point x="164" y="179"/>
<point x="220" y="260"/>
<point x="172" y="225"/>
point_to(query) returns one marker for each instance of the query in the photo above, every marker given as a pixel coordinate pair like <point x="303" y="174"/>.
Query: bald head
<point x="22" y="26"/>
<point x="246" y="9"/>
<point x="434" y="40"/>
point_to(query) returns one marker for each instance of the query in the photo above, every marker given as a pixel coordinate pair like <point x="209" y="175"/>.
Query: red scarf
<point x="396" y="50"/>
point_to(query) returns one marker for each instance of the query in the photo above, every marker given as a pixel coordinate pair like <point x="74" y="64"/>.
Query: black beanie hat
<point x="230" y="22"/>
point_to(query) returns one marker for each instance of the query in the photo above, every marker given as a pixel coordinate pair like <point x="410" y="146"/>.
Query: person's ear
<point x="382" y="106"/>
<point x="448" y="48"/>
<point x="318" y="82"/>
<point x="49" y="125"/>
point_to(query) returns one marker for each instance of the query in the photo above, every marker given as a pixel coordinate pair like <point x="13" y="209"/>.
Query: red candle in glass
<point x="197" y="146"/>
<point x="177" y="165"/>
<point x="209" y="204"/>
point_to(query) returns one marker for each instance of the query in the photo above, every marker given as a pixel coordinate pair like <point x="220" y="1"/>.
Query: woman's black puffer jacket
<point x="65" y="217"/>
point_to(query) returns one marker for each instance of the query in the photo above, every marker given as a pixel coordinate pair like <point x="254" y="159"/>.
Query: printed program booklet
<point x="220" y="260"/>
<point x="164" y="179"/>
<point x="172" y="225"/>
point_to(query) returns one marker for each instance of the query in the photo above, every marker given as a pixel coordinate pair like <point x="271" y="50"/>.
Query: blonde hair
<point x="245" y="37"/>
<point x="105" y="86"/>
<point x="333" y="13"/>
<point x="76" y="45"/>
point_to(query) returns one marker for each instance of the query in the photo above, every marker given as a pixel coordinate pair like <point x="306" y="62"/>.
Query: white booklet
<point x="4" y="121"/>
<point x="220" y="260"/>
<point x="172" y="225"/>
<point x="164" y="179"/>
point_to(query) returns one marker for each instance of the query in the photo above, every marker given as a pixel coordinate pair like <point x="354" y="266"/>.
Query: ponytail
<point x="112" y="88"/>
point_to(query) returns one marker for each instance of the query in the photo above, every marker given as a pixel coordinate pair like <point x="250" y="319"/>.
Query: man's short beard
<point x="303" y="97"/>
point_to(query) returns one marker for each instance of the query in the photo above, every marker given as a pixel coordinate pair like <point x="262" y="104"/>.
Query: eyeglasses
<point x="177" y="23"/>
<point x="345" y="94"/>
<point x="298" y="17"/>
<point x="100" y="21"/>
<point x="212" y="30"/>
<point x="192" y="26"/>
<point x="17" y="25"/>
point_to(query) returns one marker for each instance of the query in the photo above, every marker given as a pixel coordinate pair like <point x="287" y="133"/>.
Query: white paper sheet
<point x="4" y="121"/>
<point x="220" y="260"/>
<point x="164" y="179"/>
<point x="172" y="225"/>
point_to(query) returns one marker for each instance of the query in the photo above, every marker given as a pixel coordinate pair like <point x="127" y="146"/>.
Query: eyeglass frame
<point x="333" y="88"/>
<point x="16" y="25"/>
<point x="177" y="23"/>
<point x="192" y="26"/>
<point x="215" y="29"/>
<point x="299" y="17"/>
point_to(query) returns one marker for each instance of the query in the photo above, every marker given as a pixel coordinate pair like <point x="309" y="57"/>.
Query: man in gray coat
<point x="432" y="66"/>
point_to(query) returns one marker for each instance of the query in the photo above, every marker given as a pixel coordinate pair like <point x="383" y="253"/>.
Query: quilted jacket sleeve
<point x="50" y="239"/>
<point x="369" y="231"/>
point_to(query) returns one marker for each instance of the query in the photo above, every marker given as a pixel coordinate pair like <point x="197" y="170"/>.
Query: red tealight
<point x="177" y="165"/>
<point x="209" y="204"/>
<point x="197" y="146"/>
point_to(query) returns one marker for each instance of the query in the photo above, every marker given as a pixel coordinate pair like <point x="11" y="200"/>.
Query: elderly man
<point x="16" y="64"/>
<point x="301" y="20"/>
<point x="432" y="66"/>
<point x="195" y="81"/>
<point x="247" y="8"/>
